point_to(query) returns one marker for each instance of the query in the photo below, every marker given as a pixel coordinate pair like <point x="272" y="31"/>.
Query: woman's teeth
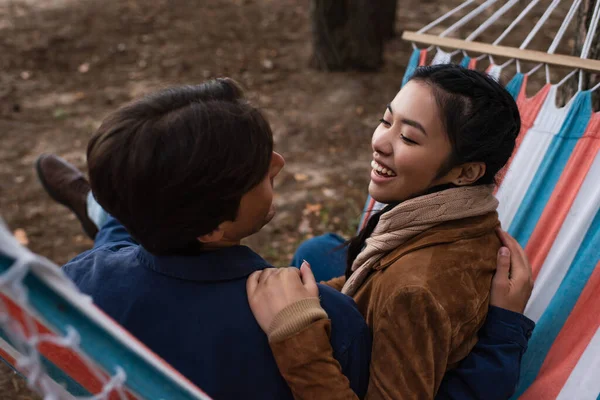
<point x="381" y="170"/>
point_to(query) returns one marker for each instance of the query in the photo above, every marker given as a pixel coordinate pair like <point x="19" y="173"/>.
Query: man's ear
<point x="214" y="236"/>
<point x="468" y="173"/>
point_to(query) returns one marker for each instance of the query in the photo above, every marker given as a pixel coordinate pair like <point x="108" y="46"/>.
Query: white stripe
<point x="584" y="381"/>
<point x="495" y="72"/>
<point x="529" y="157"/>
<point x="567" y="243"/>
<point x="441" y="57"/>
<point x="8" y="349"/>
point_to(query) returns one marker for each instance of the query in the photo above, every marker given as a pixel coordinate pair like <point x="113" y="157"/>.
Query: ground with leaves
<point x="65" y="64"/>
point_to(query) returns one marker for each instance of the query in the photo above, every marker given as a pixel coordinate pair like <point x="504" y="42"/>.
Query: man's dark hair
<point x="174" y="165"/>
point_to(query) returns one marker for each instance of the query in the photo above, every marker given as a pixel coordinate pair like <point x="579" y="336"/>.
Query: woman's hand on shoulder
<point x="512" y="284"/>
<point x="271" y="290"/>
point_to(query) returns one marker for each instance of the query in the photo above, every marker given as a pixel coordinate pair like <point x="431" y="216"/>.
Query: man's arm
<point x="491" y="370"/>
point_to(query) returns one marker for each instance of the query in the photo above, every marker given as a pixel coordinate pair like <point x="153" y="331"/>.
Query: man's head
<point x="186" y="165"/>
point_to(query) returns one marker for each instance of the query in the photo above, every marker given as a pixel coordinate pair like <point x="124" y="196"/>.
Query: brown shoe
<point x="66" y="185"/>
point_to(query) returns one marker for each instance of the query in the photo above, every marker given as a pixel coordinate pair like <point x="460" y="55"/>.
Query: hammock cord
<point x="461" y="22"/>
<point x="559" y="35"/>
<point x="515" y="22"/>
<point x="491" y="20"/>
<point x="587" y="44"/>
<point x="539" y="24"/>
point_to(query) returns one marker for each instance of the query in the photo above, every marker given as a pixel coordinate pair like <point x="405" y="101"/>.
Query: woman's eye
<point x="407" y="140"/>
<point x="383" y="121"/>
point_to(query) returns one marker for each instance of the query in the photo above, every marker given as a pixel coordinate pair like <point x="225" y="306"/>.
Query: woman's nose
<point x="381" y="142"/>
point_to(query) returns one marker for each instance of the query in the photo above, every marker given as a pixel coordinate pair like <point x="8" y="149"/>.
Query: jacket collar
<point x="447" y="232"/>
<point x="217" y="265"/>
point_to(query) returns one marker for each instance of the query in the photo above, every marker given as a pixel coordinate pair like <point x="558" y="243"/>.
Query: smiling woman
<point x="421" y="269"/>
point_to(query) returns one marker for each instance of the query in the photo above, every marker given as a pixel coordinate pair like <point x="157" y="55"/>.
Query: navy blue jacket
<point x="193" y="311"/>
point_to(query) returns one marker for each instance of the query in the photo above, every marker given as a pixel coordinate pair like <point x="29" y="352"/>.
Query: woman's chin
<point x="378" y="194"/>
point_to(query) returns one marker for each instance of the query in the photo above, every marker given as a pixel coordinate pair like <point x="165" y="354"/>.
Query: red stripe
<point x="423" y="58"/>
<point x="368" y="213"/>
<point x="570" y="344"/>
<point x="564" y="195"/>
<point x="7" y="357"/>
<point x="472" y="63"/>
<point x="65" y="359"/>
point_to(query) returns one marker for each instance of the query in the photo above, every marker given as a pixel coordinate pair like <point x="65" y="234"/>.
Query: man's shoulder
<point x="100" y="257"/>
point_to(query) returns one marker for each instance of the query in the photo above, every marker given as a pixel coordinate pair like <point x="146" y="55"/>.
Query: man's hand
<point x="273" y="289"/>
<point x="512" y="283"/>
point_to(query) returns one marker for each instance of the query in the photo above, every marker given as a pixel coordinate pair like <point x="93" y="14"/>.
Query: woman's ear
<point x="469" y="173"/>
<point x="212" y="237"/>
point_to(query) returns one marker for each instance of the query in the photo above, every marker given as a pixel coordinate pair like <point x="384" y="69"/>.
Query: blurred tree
<point x="584" y="18"/>
<point x="349" y="34"/>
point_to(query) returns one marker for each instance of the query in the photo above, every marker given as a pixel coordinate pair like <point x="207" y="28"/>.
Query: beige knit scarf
<point x="414" y="216"/>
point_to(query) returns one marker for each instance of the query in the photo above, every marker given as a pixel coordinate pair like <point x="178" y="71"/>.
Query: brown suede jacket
<point x="424" y="303"/>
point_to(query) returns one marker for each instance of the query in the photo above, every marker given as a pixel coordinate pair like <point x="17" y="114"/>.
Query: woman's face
<point x="410" y="146"/>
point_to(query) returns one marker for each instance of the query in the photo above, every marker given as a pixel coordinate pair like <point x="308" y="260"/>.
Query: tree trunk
<point x="584" y="17"/>
<point x="346" y="34"/>
<point x="387" y="18"/>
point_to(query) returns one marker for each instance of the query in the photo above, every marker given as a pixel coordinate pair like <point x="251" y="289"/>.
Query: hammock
<point x="549" y="200"/>
<point x="65" y="346"/>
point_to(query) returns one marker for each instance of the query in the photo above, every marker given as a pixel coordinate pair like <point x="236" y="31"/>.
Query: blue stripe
<point x="558" y="154"/>
<point x="560" y="307"/>
<point x="364" y="214"/>
<point x="412" y="65"/>
<point x="514" y="86"/>
<point x="465" y="62"/>
<point x="106" y="351"/>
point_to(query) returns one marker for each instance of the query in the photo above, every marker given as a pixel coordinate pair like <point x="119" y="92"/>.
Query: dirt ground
<point x="65" y="64"/>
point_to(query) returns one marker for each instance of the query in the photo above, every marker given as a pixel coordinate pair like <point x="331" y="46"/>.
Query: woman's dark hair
<point x="174" y="165"/>
<point x="482" y="122"/>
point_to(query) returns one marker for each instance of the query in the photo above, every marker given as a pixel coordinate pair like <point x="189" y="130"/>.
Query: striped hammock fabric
<point x="550" y="201"/>
<point x="65" y="346"/>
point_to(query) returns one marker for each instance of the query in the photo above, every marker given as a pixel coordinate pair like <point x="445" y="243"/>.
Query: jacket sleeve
<point x="412" y="337"/>
<point x="411" y="341"/>
<point x="336" y="283"/>
<point x="491" y="370"/>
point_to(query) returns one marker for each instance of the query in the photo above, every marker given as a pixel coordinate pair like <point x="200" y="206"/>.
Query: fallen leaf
<point x="300" y="177"/>
<point x="21" y="236"/>
<point x="328" y="192"/>
<point x="312" y="209"/>
<point x="304" y="227"/>
<point x="267" y="64"/>
<point x="83" y="68"/>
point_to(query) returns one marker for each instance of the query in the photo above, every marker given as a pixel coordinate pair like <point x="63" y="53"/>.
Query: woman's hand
<point x="512" y="283"/>
<point x="273" y="289"/>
